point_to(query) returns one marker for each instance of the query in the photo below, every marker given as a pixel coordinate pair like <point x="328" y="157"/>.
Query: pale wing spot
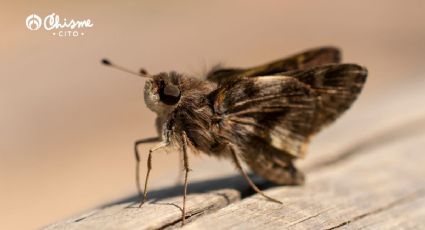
<point x="249" y="128"/>
<point x="282" y="138"/>
<point x="273" y="78"/>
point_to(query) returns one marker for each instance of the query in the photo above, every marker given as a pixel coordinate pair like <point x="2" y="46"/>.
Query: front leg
<point x="137" y="156"/>
<point x="149" y="164"/>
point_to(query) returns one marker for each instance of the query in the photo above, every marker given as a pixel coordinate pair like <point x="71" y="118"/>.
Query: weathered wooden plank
<point x="155" y="215"/>
<point x="346" y="192"/>
<point x="405" y="214"/>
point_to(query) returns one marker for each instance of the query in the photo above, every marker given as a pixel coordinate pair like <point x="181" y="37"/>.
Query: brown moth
<point x="263" y="116"/>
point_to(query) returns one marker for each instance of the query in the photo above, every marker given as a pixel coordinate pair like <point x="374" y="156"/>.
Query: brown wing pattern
<point x="269" y="112"/>
<point x="336" y="86"/>
<point x="278" y="114"/>
<point x="272" y="114"/>
<point x="299" y="61"/>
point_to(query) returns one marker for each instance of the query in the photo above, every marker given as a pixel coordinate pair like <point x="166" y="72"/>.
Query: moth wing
<point x="278" y="114"/>
<point x="304" y="60"/>
<point x="336" y="86"/>
<point x="273" y="114"/>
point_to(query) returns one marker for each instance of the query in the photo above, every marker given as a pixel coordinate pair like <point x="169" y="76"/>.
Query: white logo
<point x="61" y="28"/>
<point x="33" y="22"/>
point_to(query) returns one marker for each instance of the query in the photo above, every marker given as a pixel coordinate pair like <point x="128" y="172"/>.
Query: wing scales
<point x="280" y="113"/>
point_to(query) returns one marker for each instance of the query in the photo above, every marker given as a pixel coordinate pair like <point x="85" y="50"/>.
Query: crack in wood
<point x="308" y="218"/>
<point x="191" y="216"/>
<point x="393" y="204"/>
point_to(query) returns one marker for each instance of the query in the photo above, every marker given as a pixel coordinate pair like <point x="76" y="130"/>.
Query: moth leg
<point x="186" y="171"/>
<point x="137" y="155"/>
<point x="149" y="164"/>
<point x="246" y="177"/>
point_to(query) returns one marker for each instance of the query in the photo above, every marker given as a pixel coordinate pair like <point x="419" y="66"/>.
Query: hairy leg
<point x="149" y="166"/>
<point x="137" y="155"/>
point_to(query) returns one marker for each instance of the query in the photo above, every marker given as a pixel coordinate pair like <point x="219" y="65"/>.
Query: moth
<point x="263" y="116"/>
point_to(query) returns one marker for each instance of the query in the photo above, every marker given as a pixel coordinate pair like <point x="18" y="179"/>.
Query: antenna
<point x="141" y="73"/>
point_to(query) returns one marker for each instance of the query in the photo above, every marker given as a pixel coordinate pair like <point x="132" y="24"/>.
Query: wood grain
<point x="409" y="213"/>
<point x="154" y="215"/>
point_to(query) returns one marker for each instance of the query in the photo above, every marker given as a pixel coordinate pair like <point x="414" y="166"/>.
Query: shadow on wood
<point x="235" y="182"/>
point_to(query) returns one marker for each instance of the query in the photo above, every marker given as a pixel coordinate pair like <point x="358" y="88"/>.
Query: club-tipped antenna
<point x="141" y="73"/>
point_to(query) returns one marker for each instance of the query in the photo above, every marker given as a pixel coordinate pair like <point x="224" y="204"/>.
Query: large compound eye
<point x="169" y="94"/>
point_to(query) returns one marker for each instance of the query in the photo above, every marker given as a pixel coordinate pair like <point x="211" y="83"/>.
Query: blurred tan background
<point x="68" y="123"/>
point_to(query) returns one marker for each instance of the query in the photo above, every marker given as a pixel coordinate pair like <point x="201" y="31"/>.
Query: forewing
<point x="273" y="114"/>
<point x="300" y="61"/>
<point x="337" y="86"/>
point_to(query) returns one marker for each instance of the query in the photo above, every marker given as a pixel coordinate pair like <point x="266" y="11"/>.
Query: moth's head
<point x="163" y="92"/>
